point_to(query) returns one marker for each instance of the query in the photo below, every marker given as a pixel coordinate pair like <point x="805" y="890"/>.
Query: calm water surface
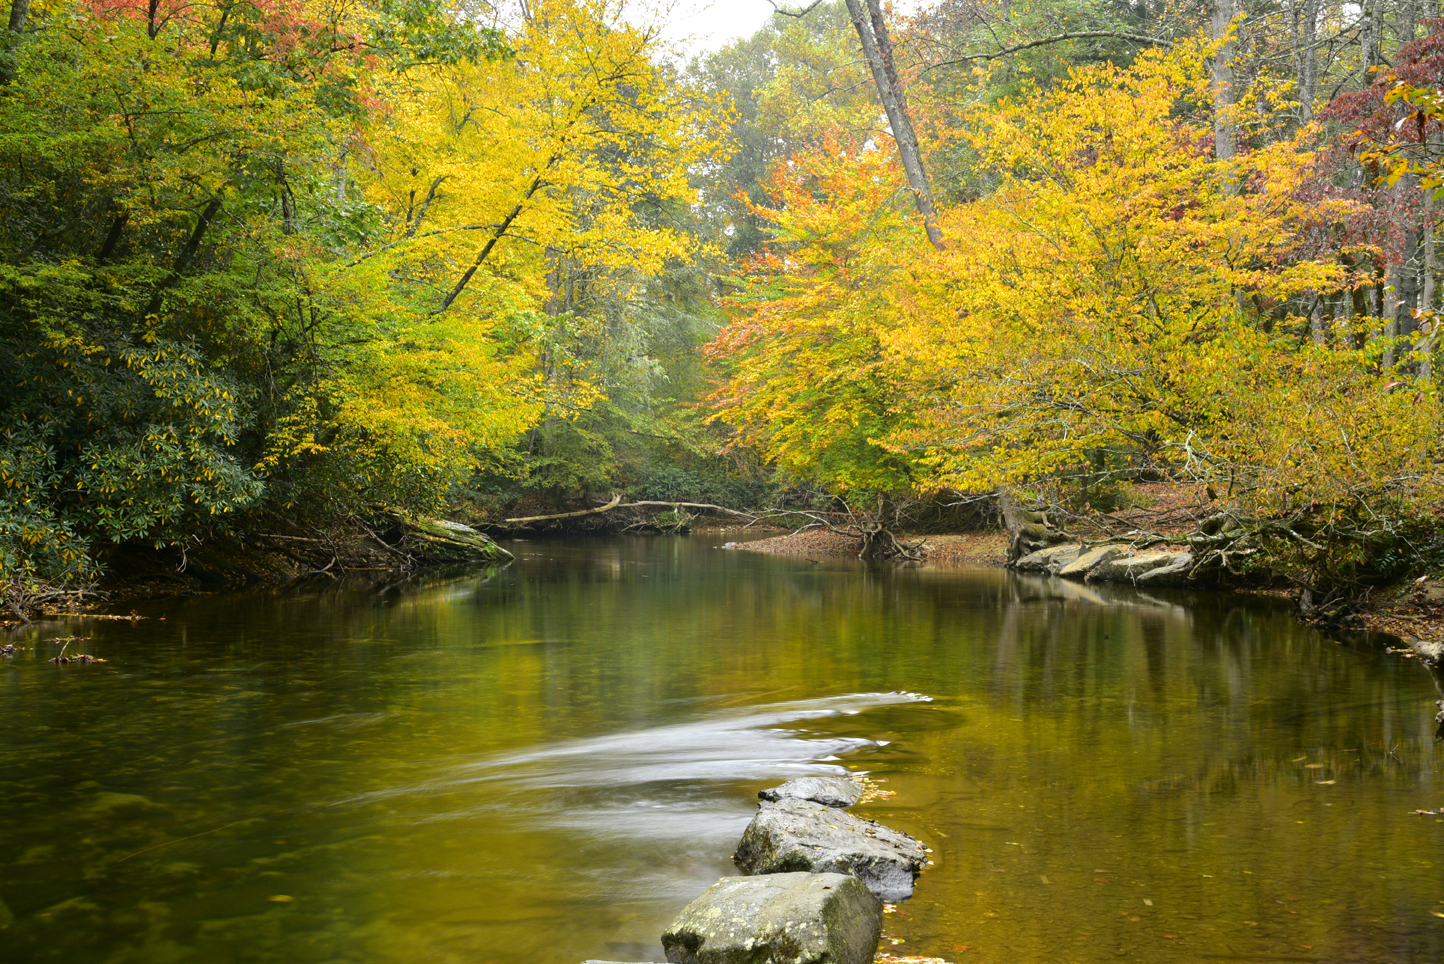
<point x="544" y="764"/>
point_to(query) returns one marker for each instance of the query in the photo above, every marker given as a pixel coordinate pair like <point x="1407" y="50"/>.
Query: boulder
<point x="778" y="919"/>
<point x="1088" y="561"/>
<point x="1175" y="573"/>
<point x="837" y="792"/>
<point x="1047" y="560"/>
<point x="1130" y="566"/>
<point x="799" y="835"/>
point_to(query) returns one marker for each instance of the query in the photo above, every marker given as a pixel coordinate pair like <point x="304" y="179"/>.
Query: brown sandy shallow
<point x="981" y="549"/>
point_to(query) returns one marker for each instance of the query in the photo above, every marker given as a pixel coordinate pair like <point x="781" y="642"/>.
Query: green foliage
<point x="221" y="294"/>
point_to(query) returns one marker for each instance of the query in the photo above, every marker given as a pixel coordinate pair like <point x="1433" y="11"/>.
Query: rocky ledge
<point x="778" y="918"/>
<point x="797" y="831"/>
<point x="1110" y="564"/>
<point x="817" y="877"/>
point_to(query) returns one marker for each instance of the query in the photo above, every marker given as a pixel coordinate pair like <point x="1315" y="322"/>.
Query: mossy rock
<point x="441" y="540"/>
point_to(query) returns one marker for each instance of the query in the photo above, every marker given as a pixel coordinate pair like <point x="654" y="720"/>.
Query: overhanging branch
<point x="1059" y="38"/>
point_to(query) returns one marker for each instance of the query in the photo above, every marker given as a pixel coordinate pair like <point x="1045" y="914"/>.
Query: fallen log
<point x="617" y="503"/>
<point x="616" y="500"/>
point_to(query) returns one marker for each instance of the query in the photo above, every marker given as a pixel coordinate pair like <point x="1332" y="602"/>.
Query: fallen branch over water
<point x="617" y="503"/>
<point x="616" y="500"/>
<point x="876" y="539"/>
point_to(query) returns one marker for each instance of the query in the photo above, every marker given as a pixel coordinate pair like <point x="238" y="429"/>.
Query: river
<point x="545" y="763"/>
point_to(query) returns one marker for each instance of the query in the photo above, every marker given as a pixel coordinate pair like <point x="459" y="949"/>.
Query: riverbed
<point x="545" y="763"/>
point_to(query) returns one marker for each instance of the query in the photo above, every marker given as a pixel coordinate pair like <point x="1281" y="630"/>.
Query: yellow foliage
<point x="486" y="176"/>
<point x="1118" y="298"/>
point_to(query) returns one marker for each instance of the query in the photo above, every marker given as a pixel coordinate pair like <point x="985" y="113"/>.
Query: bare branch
<point x="1060" y="38"/>
<point x="798" y="14"/>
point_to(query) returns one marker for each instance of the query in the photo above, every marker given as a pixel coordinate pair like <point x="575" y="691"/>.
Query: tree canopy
<point x="328" y="260"/>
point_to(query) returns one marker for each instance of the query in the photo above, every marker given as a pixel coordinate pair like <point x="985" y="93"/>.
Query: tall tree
<point x="877" y="50"/>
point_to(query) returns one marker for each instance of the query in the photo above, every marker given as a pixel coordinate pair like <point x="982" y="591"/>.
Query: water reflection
<point x="545" y="763"/>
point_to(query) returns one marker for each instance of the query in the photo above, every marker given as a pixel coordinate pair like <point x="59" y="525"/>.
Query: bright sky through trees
<point x="710" y="24"/>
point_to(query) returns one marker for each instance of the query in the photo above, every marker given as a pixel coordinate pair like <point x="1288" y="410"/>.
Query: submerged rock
<point x="778" y="919"/>
<point x="799" y="835"/>
<point x="837" y="792"/>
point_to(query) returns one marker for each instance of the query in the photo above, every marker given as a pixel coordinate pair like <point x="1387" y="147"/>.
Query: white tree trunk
<point x="893" y="102"/>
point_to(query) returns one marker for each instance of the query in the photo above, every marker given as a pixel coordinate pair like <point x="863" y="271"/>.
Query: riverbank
<point x="980" y="549"/>
<point x="403" y="544"/>
<point x="1413" y="613"/>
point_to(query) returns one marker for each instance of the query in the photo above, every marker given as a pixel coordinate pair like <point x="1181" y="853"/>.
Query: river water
<point x="544" y="763"/>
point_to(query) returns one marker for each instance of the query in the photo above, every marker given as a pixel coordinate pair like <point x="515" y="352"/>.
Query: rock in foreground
<point x="837" y="792"/>
<point x="778" y="919"/>
<point x="798" y="835"/>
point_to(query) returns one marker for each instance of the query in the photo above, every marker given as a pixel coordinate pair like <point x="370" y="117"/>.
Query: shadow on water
<point x="546" y="762"/>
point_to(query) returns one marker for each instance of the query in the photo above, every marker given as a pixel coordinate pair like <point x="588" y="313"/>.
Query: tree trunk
<point x="1426" y="296"/>
<point x="1370" y="35"/>
<point x="1402" y="296"/>
<point x="1316" y="323"/>
<point x="1306" y="33"/>
<point x="890" y="91"/>
<point x="1225" y="136"/>
<point x="19" y="13"/>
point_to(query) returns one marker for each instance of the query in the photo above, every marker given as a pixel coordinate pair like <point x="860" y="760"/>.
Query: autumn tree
<point x="311" y="260"/>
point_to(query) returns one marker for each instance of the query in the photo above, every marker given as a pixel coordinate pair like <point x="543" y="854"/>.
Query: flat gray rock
<point x="1050" y="559"/>
<point x="1088" y="561"/>
<point x="829" y="791"/>
<point x="1130" y="567"/>
<point x="778" y="919"/>
<point x="1175" y="573"/>
<point x="799" y="835"/>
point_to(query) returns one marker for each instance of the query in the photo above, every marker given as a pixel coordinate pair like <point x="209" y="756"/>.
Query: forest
<point x="324" y="261"/>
